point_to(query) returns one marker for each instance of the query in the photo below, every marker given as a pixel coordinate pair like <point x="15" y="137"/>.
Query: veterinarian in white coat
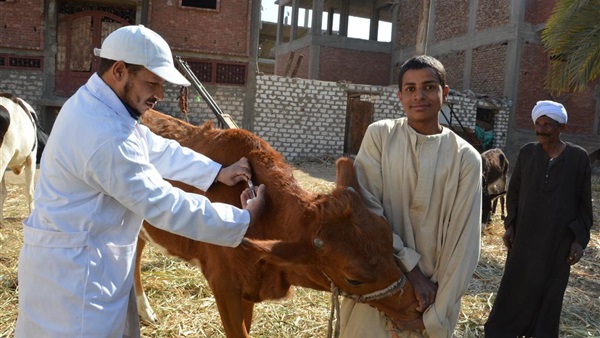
<point x="100" y="176"/>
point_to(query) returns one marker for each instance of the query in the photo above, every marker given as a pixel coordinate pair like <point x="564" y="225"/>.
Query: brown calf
<point x="304" y="239"/>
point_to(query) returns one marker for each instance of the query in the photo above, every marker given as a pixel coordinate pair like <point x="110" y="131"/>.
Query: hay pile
<point x="185" y="307"/>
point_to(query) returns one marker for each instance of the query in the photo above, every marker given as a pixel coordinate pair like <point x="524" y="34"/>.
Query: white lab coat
<point x="100" y="176"/>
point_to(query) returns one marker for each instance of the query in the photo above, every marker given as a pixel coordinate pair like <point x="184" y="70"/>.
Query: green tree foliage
<point x="572" y="39"/>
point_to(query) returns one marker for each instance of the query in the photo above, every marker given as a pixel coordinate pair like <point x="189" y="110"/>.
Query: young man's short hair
<point x="420" y="62"/>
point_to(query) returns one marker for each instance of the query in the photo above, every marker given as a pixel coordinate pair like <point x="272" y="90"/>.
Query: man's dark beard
<point x="130" y="109"/>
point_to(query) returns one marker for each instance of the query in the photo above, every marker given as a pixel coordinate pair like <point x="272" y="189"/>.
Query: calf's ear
<point x="281" y="252"/>
<point x="345" y="174"/>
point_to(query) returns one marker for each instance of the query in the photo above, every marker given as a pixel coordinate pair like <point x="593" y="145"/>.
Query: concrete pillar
<point x="395" y="45"/>
<point x="330" y="14"/>
<point x="374" y="23"/>
<point x="143" y="9"/>
<point x="344" y="17"/>
<point x="280" y="15"/>
<point x="472" y="19"/>
<point x="51" y="15"/>
<point x="294" y="23"/>
<point x="423" y="27"/>
<point x="306" y="19"/>
<point x="250" y="97"/>
<point x="317" y="17"/>
<point x="315" y="46"/>
<point x="513" y="61"/>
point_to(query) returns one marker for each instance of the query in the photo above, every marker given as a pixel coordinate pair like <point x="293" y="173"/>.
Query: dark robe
<point x="550" y="205"/>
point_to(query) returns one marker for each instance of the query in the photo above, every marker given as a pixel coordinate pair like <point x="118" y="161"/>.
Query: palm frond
<point x="572" y="39"/>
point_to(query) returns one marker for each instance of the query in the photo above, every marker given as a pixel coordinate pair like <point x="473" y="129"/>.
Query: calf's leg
<point x="143" y="305"/>
<point x="228" y="295"/>
<point x="248" y="311"/>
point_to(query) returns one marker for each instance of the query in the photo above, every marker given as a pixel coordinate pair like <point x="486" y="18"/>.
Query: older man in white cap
<point x="102" y="174"/>
<point x="547" y="228"/>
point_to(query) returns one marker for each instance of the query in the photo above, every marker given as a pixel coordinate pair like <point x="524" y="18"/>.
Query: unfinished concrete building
<point x="491" y="49"/>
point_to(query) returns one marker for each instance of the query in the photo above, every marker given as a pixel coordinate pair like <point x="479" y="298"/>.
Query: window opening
<point x="205" y="4"/>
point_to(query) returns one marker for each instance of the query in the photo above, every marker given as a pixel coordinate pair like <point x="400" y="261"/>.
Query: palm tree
<point x="572" y="39"/>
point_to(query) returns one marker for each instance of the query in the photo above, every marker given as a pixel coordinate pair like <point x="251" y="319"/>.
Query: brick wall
<point x="26" y="84"/>
<point x="229" y="98"/>
<point x="306" y="118"/>
<point x="199" y="30"/>
<point x="408" y="22"/>
<point x="454" y="63"/>
<point x="492" y="13"/>
<point x="449" y="20"/>
<point x="282" y="62"/>
<point x="360" y="66"/>
<point x="581" y="107"/>
<point x="538" y="11"/>
<point x="531" y="82"/>
<point x="487" y="69"/>
<point x="21" y="24"/>
<point x="298" y="117"/>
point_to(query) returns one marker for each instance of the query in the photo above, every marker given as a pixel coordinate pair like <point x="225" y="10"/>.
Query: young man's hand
<point x="425" y="289"/>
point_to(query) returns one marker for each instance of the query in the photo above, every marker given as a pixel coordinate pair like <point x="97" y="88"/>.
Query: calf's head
<point x="348" y="247"/>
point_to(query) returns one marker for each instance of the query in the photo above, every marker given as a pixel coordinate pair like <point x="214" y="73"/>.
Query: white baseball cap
<point x="139" y="45"/>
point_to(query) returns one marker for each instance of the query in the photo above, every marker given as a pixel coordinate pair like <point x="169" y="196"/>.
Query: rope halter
<point x="335" y="301"/>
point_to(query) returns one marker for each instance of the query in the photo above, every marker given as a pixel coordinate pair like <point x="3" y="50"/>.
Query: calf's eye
<point x="354" y="282"/>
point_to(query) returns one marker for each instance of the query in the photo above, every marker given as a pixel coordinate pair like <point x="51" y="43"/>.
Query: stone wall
<point x="26" y="84"/>
<point x="229" y="98"/>
<point x="300" y="118"/>
<point x="306" y="118"/>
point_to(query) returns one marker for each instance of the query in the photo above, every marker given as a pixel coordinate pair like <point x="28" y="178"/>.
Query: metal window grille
<point x="219" y="72"/>
<point x="9" y="61"/>
<point x="203" y="70"/>
<point x="231" y="74"/>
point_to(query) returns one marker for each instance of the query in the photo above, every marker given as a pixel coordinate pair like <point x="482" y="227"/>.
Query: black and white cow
<point x="21" y="138"/>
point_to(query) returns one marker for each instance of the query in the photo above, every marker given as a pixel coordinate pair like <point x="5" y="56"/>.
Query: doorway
<point x="359" y="115"/>
<point x="77" y="36"/>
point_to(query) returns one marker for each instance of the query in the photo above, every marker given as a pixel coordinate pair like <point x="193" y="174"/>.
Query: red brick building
<point x="489" y="47"/>
<point x="46" y="46"/>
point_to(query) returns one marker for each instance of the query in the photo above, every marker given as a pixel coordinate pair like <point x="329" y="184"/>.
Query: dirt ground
<point x="306" y="314"/>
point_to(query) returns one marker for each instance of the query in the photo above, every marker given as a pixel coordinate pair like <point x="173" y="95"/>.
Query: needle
<point x="251" y="186"/>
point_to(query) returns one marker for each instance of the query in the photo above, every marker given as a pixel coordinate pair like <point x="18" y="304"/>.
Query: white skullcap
<point x="553" y="110"/>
